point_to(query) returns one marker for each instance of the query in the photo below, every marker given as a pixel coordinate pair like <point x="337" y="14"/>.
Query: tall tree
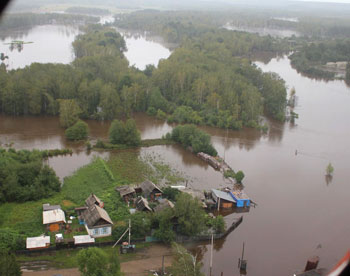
<point x="69" y="112"/>
<point x="184" y="264"/>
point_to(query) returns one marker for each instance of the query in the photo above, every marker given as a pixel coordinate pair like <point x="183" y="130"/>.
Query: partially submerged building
<point x="53" y="217"/>
<point x="223" y="199"/>
<point x="41" y="242"/>
<point x="241" y="198"/>
<point x="96" y="219"/>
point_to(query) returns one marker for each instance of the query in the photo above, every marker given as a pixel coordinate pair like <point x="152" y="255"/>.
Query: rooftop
<point x="81" y="239"/>
<point x="53" y="216"/>
<point x="223" y="195"/>
<point x="125" y="190"/>
<point x="240" y="194"/>
<point x="48" y="207"/>
<point x="95" y="213"/>
<point x="37" y="242"/>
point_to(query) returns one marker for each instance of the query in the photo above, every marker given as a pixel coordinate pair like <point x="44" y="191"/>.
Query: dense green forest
<point x="23" y="176"/>
<point x="312" y="56"/>
<point x="205" y="75"/>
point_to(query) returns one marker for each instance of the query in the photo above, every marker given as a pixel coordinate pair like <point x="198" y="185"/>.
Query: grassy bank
<point x="144" y="143"/>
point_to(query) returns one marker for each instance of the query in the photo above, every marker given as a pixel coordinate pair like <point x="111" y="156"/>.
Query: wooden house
<point x="142" y="204"/>
<point x="126" y="192"/>
<point x="149" y="190"/>
<point x="96" y="219"/>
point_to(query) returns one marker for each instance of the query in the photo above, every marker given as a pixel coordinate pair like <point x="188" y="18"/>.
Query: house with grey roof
<point x="126" y="192"/>
<point x="223" y="199"/>
<point x="149" y="190"/>
<point x="96" y="219"/>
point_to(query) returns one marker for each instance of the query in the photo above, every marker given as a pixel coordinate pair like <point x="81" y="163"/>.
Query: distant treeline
<point x="87" y="10"/>
<point x="27" y="20"/>
<point x="311" y="56"/>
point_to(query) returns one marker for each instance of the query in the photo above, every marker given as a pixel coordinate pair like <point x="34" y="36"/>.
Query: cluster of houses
<point x="142" y="195"/>
<point x="98" y="224"/>
<point x="94" y="217"/>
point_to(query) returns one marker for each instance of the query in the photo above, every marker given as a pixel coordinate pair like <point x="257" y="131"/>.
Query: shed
<point x="241" y="198"/>
<point x="126" y="192"/>
<point x="223" y="198"/>
<point x="38" y="242"/>
<point x="149" y="189"/>
<point x="53" y="219"/>
<point x="142" y="204"/>
<point x="93" y="199"/>
<point x="83" y="239"/>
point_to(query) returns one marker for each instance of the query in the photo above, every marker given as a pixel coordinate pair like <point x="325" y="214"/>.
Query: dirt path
<point x="146" y="259"/>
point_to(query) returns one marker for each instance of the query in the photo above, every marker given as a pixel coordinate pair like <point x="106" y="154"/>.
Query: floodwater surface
<point x="300" y="213"/>
<point x="48" y="44"/>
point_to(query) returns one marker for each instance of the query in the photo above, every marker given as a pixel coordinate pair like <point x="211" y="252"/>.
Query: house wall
<point x="103" y="231"/>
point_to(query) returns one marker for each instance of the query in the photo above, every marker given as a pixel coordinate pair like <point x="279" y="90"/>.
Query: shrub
<point x="78" y="131"/>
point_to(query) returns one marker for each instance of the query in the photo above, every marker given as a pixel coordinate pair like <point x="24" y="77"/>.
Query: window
<point x="104" y="230"/>
<point x="95" y="231"/>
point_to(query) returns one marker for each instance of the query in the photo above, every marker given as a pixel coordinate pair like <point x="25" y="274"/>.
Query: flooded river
<point x="299" y="213"/>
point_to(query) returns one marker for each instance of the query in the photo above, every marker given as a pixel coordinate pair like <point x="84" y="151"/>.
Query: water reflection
<point x="143" y="50"/>
<point x="51" y="43"/>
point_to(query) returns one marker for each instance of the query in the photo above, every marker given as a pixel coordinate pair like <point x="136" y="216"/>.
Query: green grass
<point x="26" y="217"/>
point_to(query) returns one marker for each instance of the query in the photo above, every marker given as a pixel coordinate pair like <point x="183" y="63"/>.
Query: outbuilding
<point x="38" y="242"/>
<point x="223" y="199"/>
<point x="54" y="219"/>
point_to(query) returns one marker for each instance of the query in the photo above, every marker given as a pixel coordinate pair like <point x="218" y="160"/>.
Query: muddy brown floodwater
<point x="299" y="212"/>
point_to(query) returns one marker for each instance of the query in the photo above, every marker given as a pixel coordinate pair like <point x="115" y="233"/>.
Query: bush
<point x="229" y="173"/>
<point x="239" y="176"/>
<point x="191" y="136"/>
<point x="120" y="133"/>
<point x="79" y="131"/>
<point x="161" y="115"/>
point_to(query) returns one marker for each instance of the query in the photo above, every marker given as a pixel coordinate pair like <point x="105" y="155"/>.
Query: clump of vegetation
<point x="8" y="264"/>
<point x="184" y="262"/>
<point x="23" y="176"/>
<point x="329" y="169"/>
<point x="239" y="176"/>
<point x="191" y="136"/>
<point x="124" y="133"/>
<point x="94" y="261"/>
<point x="79" y="131"/>
<point x="229" y="173"/>
<point x="69" y="112"/>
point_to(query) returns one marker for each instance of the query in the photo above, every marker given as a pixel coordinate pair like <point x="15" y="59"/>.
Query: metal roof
<point x="48" y="207"/>
<point x="37" y="242"/>
<point x="53" y="216"/>
<point x="223" y="195"/>
<point x="81" y="239"/>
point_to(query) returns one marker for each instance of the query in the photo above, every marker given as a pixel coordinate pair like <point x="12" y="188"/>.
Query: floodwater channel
<point x="300" y="213"/>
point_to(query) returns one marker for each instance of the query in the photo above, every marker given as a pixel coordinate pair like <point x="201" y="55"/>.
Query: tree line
<point x="206" y="76"/>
